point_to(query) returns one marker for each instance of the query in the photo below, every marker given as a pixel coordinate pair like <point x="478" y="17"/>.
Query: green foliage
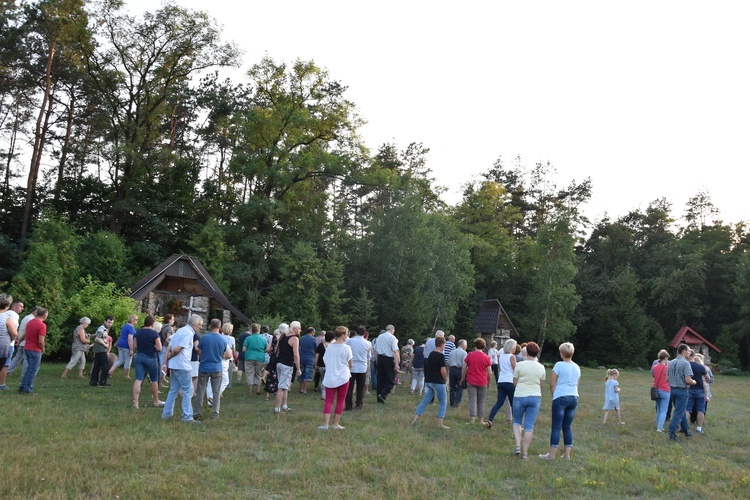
<point x="363" y="310"/>
<point x="104" y="257"/>
<point x="552" y="298"/>
<point x="296" y="294"/>
<point x="98" y="300"/>
<point x="332" y="294"/>
<point x="210" y="247"/>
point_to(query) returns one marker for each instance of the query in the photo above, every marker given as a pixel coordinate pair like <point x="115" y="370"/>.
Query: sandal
<point x="524" y="456"/>
<point x="488" y="424"/>
<point x="517" y="450"/>
<point x="159" y="404"/>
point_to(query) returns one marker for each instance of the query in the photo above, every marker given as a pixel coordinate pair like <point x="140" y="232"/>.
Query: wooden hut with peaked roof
<point x="493" y="323"/>
<point x="695" y="341"/>
<point x="181" y="286"/>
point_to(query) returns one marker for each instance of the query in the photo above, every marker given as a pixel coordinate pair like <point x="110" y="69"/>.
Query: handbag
<point x="654" y="393"/>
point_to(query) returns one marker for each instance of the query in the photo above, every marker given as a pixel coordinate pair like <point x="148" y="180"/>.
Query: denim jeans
<point x="563" y="411"/>
<point x="438" y="391"/>
<point x="504" y="389"/>
<point x="528" y="406"/>
<point x="661" y="409"/>
<point x="679" y="398"/>
<point x="180" y="381"/>
<point x="33" y="360"/>
<point x="146" y="364"/>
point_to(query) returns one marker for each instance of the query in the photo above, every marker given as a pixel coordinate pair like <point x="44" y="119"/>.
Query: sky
<point x="647" y="99"/>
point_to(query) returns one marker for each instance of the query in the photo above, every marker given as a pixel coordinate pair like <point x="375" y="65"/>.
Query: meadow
<point x="75" y="441"/>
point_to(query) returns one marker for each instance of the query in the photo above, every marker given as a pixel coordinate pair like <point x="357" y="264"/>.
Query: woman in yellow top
<point x="527" y="399"/>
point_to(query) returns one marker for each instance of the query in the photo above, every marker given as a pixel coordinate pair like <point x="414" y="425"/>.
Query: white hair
<point x="390" y="328"/>
<point x="295" y="324"/>
<point x="84" y="321"/>
<point x="195" y="320"/>
<point x="439" y="333"/>
<point x="283" y="328"/>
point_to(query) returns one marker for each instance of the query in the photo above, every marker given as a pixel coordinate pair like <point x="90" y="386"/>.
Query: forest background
<point x="120" y="144"/>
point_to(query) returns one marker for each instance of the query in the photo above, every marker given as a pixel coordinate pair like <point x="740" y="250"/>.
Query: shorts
<point x="146" y="364"/>
<point x="195" y="365"/>
<point x="307" y="373"/>
<point x="697" y="401"/>
<point x="284" y="375"/>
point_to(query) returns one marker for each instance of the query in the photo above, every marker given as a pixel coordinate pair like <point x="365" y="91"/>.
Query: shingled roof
<point x="192" y="275"/>
<point x="688" y="336"/>
<point x="492" y="318"/>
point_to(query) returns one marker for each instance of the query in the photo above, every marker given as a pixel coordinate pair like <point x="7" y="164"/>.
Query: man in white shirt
<point x="429" y="346"/>
<point x="178" y="356"/>
<point x="360" y="364"/>
<point x="15" y="309"/>
<point x="388" y="358"/>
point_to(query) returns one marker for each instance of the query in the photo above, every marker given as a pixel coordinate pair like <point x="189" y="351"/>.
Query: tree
<point x="144" y="62"/>
<point x="552" y="298"/>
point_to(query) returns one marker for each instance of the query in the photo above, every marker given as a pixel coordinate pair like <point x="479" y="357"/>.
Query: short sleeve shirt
<point x="679" y="368"/>
<point x="530" y="374"/>
<point x="432" y="368"/>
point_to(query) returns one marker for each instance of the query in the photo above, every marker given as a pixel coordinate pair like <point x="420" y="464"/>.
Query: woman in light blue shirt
<point x="563" y="385"/>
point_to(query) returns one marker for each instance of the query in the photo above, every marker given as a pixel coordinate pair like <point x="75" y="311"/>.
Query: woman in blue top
<point x="417" y="366"/>
<point x="147" y="343"/>
<point x="563" y="385"/>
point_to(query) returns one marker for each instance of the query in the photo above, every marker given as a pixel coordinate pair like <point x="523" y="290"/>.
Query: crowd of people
<point x="198" y="366"/>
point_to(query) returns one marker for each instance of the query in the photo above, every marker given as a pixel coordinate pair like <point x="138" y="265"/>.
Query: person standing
<point x="165" y="335"/>
<point x="338" y="363"/>
<point x="429" y="346"/>
<point x="320" y="363"/>
<point x="477" y="372"/>
<point x="698" y="392"/>
<point x="254" y="328"/>
<point x="494" y="355"/>
<point x="213" y="350"/>
<point x="20" y="343"/>
<point x="100" y="370"/>
<point x="16" y="307"/>
<point x="680" y="375"/>
<point x="147" y="343"/>
<point x="456" y="364"/>
<point x="406" y="355"/>
<point x="387" y="354"/>
<point x="8" y="334"/>
<point x="125" y="346"/>
<point x="361" y="352"/>
<point x="435" y="376"/>
<point x="563" y="384"/>
<point x="81" y="345"/>
<point x="307" y="346"/>
<point x="36" y="332"/>
<point x="178" y="358"/>
<point x="527" y="399"/>
<point x="417" y="367"/>
<point x="254" y="354"/>
<point x="659" y="371"/>
<point x="288" y="358"/>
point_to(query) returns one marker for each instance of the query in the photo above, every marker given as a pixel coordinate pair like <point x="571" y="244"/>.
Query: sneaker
<point x="673" y="437"/>
<point x="337" y="427"/>
<point x="323" y="427"/>
<point x="192" y="421"/>
<point x="381" y="399"/>
<point x="660" y="431"/>
<point x="545" y="457"/>
<point x="286" y="410"/>
<point x="3" y="387"/>
<point x="197" y="417"/>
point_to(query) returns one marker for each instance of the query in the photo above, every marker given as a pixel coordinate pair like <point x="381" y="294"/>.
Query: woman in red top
<point x="477" y="372"/>
<point x="661" y="382"/>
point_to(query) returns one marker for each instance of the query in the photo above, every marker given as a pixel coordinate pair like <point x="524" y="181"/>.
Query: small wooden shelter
<point x="695" y="341"/>
<point x="493" y="323"/>
<point x="181" y="286"/>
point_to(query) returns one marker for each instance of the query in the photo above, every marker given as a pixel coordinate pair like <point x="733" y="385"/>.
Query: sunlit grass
<point x="72" y="440"/>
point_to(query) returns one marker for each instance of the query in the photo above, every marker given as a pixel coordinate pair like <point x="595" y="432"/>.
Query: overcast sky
<point x="649" y="99"/>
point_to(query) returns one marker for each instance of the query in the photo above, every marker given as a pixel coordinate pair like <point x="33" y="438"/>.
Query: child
<point x="612" y="395"/>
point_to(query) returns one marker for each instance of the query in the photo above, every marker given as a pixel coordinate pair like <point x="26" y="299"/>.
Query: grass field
<point x="75" y="441"/>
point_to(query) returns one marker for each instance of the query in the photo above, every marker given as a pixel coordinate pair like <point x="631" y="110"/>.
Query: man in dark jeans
<point x="100" y="370"/>
<point x="680" y="378"/>
<point x="388" y="355"/>
<point x="360" y="363"/>
<point x="456" y="363"/>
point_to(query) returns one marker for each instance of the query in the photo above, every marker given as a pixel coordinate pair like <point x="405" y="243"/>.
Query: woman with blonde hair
<point x="505" y="387"/>
<point x="81" y="346"/>
<point x="527" y="399"/>
<point x="661" y="383"/>
<point x="563" y="384"/>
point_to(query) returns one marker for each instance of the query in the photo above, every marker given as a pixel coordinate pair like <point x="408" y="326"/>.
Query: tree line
<point x="120" y="145"/>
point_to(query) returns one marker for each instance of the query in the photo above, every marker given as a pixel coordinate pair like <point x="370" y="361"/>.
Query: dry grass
<point x="75" y="441"/>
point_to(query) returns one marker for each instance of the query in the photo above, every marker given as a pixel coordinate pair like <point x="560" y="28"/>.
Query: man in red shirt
<point x="36" y="331"/>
